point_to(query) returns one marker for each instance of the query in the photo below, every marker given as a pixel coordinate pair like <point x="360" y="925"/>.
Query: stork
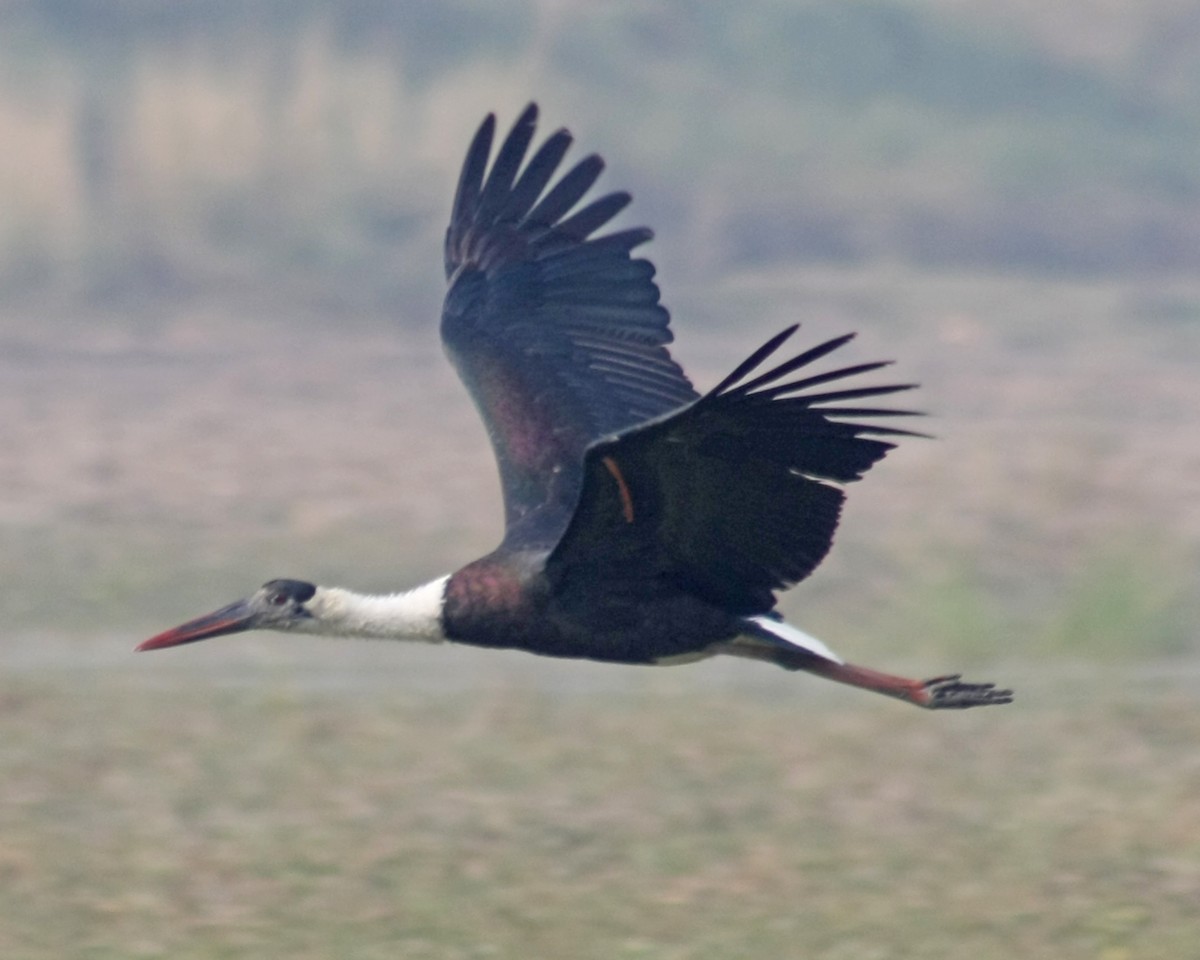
<point x="644" y="523"/>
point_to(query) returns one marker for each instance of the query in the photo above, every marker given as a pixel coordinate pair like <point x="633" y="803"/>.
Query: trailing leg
<point x="792" y="649"/>
<point x="938" y="693"/>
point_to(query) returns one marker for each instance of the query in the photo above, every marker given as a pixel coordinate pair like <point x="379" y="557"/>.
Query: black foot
<point x="950" y="693"/>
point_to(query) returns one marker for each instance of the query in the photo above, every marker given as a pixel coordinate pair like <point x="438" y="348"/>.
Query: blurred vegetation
<point x="259" y="817"/>
<point x="162" y="148"/>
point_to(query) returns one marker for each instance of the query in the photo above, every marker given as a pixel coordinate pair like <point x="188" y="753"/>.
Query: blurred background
<point x="220" y="279"/>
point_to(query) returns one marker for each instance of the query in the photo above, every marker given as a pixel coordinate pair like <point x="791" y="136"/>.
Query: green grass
<point x="154" y="809"/>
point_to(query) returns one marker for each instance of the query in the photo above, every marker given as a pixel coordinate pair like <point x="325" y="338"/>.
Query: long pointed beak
<point x="231" y="619"/>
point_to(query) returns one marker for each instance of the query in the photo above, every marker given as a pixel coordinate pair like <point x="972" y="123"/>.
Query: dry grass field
<point x="272" y="804"/>
<point x="276" y="797"/>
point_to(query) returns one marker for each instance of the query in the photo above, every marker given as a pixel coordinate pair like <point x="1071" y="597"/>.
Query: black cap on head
<point x="298" y="590"/>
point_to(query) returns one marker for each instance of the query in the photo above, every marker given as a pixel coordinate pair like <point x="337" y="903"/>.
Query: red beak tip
<point x="213" y="625"/>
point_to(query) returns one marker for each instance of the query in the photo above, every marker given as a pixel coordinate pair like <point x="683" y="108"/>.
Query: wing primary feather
<point x="752" y="361"/>
<point x="872" y="412"/>
<point x="470" y="183"/>
<point x="536" y="175"/>
<point x="504" y="169"/>
<point x="567" y="192"/>
<point x="559" y="253"/>
<point x="595" y="215"/>
<point x="841" y="373"/>
<point x="875" y="430"/>
<point x="801" y="360"/>
<point x="853" y="394"/>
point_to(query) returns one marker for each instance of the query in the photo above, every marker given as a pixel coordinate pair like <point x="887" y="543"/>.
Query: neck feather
<point x="412" y="615"/>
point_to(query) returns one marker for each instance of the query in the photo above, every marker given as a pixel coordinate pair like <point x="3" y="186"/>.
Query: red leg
<point x="939" y="693"/>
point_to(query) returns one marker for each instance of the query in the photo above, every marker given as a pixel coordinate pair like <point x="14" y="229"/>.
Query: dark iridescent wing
<point x="735" y="496"/>
<point x="558" y="335"/>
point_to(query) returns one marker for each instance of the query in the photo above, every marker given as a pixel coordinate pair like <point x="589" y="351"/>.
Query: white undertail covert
<point x="796" y="637"/>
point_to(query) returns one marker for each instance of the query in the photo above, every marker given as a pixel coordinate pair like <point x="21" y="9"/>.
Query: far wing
<point x="735" y="496"/>
<point x="558" y="335"/>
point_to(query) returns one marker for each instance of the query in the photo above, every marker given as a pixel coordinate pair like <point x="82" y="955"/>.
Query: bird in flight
<point x="645" y="523"/>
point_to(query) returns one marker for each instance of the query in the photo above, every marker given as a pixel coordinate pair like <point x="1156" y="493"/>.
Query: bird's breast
<point x="496" y="601"/>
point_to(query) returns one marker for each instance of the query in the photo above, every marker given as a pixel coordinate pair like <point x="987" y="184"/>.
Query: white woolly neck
<point x="412" y="615"/>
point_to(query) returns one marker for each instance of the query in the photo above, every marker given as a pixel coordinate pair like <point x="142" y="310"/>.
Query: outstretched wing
<point x="559" y="336"/>
<point x="734" y="496"/>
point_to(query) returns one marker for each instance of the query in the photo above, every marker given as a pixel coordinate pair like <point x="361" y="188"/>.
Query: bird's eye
<point x="277" y="599"/>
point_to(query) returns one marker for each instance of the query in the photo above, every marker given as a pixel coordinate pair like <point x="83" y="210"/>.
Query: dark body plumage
<point x="642" y="522"/>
